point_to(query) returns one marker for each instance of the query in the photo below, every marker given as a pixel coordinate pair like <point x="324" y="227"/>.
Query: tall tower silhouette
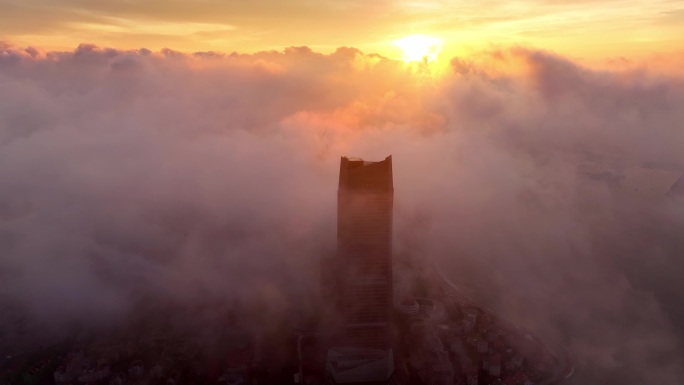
<point x="364" y="251"/>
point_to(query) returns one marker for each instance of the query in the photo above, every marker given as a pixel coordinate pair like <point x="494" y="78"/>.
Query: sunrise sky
<point x="579" y="29"/>
<point x="182" y="176"/>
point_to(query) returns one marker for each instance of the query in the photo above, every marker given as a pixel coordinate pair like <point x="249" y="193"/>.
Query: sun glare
<point x="418" y="48"/>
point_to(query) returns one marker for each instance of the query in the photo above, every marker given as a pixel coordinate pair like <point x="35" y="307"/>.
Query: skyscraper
<point x="364" y="251"/>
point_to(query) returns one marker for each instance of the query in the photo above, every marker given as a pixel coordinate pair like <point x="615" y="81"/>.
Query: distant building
<point x="137" y="370"/>
<point x="408" y="306"/>
<point x="360" y="366"/>
<point x="440" y="371"/>
<point x="431" y="310"/>
<point x="94" y="374"/>
<point x="471" y="374"/>
<point x="61" y="375"/>
<point x="492" y="364"/>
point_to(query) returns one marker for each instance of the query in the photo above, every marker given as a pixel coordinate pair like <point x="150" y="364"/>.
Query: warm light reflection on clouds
<point x="419" y="48"/>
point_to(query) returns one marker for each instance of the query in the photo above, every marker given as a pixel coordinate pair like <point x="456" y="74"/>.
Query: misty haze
<point x="191" y="198"/>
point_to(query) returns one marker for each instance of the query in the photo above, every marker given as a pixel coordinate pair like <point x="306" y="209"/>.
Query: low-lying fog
<point x="543" y="186"/>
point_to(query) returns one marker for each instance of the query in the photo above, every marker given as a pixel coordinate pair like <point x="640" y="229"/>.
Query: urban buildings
<point x="360" y="366"/>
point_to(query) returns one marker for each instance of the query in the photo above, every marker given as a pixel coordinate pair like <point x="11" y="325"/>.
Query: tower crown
<point x="357" y="174"/>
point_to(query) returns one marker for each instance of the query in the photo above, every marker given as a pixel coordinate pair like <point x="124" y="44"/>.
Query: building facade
<point x="363" y="268"/>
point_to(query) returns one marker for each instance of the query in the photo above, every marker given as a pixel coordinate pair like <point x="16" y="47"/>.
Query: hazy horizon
<point x="596" y="30"/>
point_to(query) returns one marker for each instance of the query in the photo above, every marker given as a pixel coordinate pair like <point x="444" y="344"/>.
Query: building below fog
<point x="360" y="366"/>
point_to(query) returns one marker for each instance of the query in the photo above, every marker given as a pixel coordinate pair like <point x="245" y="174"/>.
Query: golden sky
<point x="582" y="28"/>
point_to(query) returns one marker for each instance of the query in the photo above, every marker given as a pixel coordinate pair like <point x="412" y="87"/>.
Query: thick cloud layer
<point x="133" y="174"/>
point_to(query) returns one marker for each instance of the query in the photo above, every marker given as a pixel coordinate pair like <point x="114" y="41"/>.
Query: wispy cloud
<point x="150" y="27"/>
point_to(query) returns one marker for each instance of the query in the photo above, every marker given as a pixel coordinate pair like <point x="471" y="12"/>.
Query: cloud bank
<point x="138" y="174"/>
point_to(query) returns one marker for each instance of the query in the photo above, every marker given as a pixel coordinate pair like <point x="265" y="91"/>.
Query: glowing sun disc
<point x="419" y="47"/>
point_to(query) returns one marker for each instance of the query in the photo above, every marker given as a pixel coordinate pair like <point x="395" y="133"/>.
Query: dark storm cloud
<point x="131" y="173"/>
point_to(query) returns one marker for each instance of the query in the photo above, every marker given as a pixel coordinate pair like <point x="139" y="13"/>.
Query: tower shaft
<point x="364" y="250"/>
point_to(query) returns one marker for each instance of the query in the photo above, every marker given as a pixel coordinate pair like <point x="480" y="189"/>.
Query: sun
<point x="418" y="48"/>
